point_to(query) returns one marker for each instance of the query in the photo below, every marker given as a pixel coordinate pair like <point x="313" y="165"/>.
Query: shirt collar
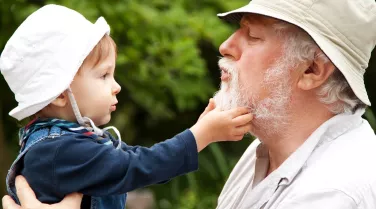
<point x="329" y="130"/>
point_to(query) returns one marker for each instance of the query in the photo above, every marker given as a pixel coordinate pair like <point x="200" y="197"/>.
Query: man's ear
<point x="316" y="74"/>
<point x="61" y="100"/>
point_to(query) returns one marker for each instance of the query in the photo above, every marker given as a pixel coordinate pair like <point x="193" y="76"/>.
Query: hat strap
<point x="76" y="111"/>
<point x="85" y="121"/>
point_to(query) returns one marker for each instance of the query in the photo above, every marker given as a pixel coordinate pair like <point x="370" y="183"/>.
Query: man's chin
<point x="222" y="101"/>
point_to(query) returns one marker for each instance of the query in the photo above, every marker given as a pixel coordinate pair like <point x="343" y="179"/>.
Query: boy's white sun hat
<point x="44" y="54"/>
<point x="345" y="30"/>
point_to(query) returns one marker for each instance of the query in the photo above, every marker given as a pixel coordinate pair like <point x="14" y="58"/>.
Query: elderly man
<point x="299" y="66"/>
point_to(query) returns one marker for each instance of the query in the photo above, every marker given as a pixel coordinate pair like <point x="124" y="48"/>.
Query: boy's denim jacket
<point x="156" y="164"/>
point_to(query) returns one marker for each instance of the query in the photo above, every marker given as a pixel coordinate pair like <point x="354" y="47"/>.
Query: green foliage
<point x="167" y="54"/>
<point x="371" y="118"/>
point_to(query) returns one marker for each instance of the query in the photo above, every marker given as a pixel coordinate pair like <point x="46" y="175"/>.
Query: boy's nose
<point x="117" y="88"/>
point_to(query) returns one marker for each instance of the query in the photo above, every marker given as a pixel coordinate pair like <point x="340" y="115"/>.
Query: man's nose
<point x="230" y="47"/>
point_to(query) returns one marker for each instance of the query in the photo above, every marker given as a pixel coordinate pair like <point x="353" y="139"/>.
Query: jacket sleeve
<point x="97" y="170"/>
<point x="127" y="147"/>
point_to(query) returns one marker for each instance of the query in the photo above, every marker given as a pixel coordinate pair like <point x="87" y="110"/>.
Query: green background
<point x="167" y="67"/>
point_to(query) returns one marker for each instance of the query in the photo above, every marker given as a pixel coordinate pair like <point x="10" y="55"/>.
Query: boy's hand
<point x="215" y="125"/>
<point x="210" y="107"/>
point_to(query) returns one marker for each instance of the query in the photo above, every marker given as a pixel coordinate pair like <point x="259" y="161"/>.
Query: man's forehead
<point x="254" y="19"/>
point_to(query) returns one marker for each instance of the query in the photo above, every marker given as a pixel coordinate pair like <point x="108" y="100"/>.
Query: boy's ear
<point x="316" y="74"/>
<point x="61" y="100"/>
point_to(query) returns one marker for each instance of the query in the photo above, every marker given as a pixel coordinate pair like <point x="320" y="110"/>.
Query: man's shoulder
<point x="345" y="164"/>
<point x="349" y="153"/>
<point x="354" y="148"/>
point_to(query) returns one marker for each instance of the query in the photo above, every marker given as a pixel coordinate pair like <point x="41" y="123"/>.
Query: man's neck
<point x="290" y="136"/>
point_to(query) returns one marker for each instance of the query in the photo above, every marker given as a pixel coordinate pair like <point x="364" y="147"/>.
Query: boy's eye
<point x="104" y="76"/>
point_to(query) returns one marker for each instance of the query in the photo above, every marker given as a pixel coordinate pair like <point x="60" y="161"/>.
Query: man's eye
<point x="253" y="37"/>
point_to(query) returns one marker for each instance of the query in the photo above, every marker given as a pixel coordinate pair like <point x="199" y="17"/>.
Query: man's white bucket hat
<point x="344" y="30"/>
<point x="42" y="57"/>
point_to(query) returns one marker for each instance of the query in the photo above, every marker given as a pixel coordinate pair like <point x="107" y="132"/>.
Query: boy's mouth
<point x="113" y="107"/>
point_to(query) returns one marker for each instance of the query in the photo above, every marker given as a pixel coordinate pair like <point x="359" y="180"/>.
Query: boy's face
<point x="95" y="89"/>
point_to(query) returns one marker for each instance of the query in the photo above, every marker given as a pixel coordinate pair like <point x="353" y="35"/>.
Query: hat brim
<point x="354" y="79"/>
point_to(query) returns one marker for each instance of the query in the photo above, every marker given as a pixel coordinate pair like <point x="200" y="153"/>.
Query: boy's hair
<point x="100" y="52"/>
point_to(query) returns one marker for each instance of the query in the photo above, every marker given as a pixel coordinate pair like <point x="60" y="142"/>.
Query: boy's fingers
<point x="238" y="111"/>
<point x="72" y="201"/>
<point x="25" y="193"/>
<point x="237" y="137"/>
<point x="203" y="113"/>
<point x="8" y="203"/>
<point x="242" y="130"/>
<point x="242" y="119"/>
<point x="211" y="105"/>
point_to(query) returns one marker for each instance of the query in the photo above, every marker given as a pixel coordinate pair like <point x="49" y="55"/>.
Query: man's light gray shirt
<point x="334" y="168"/>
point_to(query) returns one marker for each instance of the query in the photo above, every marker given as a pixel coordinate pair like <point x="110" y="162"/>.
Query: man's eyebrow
<point x="253" y="19"/>
<point x="243" y="22"/>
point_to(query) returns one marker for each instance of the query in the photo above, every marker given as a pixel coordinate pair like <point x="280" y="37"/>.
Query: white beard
<point x="229" y="96"/>
<point x="270" y="114"/>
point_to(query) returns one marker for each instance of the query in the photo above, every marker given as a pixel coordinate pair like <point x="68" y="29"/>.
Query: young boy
<point x="61" y="66"/>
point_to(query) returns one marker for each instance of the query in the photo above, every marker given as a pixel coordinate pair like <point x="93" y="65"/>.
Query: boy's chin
<point x="103" y="121"/>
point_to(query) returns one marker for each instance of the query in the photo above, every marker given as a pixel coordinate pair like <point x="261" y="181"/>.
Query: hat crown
<point x="37" y="40"/>
<point x="43" y="55"/>
<point x="351" y="21"/>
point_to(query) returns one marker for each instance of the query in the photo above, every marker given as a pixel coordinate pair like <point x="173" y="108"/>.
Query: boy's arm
<point x="116" y="171"/>
<point x="96" y="169"/>
<point x="75" y="164"/>
<point x="127" y="147"/>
